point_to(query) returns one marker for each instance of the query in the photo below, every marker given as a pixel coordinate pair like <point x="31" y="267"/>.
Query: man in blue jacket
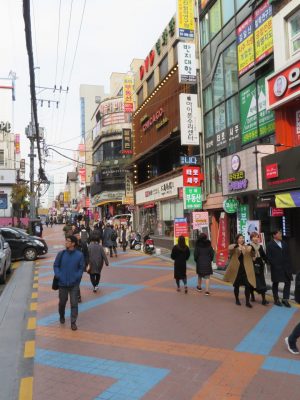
<point x="68" y="268"/>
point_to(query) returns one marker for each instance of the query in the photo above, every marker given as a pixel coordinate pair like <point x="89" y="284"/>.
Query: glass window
<point x="204" y="30"/>
<point x="240" y="3"/>
<point x="218" y="83"/>
<point x="213" y="174"/>
<point x="1" y="157"/>
<point x="230" y="67"/>
<point x="205" y="57"/>
<point x="207" y="99"/>
<point x="232" y="110"/>
<point x="227" y="10"/>
<point x="220" y="120"/>
<point x="163" y="68"/>
<point x="215" y="19"/>
<point x="294" y="33"/>
<point x="207" y="175"/>
<point x="140" y="97"/>
<point x="150" y="84"/>
<point x="209" y="125"/>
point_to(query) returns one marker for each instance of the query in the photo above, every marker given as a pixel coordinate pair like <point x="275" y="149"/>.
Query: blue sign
<point x="3" y="201"/>
<point x="189" y="160"/>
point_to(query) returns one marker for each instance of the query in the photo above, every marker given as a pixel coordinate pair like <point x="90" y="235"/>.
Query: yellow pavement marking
<point x="31" y="324"/>
<point x="34" y="295"/>
<point x="16" y="265"/>
<point x="33" y="306"/>
<point x="35" y="285"/>
<point x="29" y="349"/>
<point x="26" y="385"/>
<point x="36" y="278"/>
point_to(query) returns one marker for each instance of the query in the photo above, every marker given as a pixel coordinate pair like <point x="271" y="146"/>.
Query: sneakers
<point x="199" y="289"/>
<point x="79" y="299"/>
<point x="97" y="288"/>
<point x="74" y="326"/>
<point x="286" y="303"/>
<point x="185" y="289"/>
<point x="178" y="289"/>
<point x="207" y="293"/>
<point x="62" y="320"/>
<point x="291" y="348"/>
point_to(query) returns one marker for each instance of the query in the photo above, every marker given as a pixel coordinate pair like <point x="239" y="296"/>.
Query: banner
<point x="200" y="218"/>
<point x="186" y="19"/>
<point x="128" y="89"/>
<point x="181" y="229"/>
<point x="263" y="34"/>
<point x="192" y="198"/>
<point x="17" y="143"/>
<point x="186" y="63"/>
<point x="126" y="142"/>
<point x="245" y="45"/>
<point x="189" y="131"/>
<point x="248" y="113"/>
<point x="242" y="218"/>
<point x="82" y="174"/>
<point x="266" y="118"/>
<point x="222" y="242"/>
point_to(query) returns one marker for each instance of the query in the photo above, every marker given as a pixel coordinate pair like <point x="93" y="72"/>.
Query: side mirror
<point x="5" y="245"/>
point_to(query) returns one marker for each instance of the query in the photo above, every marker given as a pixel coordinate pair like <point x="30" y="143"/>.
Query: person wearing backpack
<point x="97" y="257"/>
<point x="107" y="240"/>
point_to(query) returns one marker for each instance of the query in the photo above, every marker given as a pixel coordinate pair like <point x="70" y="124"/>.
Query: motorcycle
<point x="135" y="242"/>
<point x="149" y="246"/>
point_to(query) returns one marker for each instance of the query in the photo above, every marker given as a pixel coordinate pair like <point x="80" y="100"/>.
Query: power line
<point x="69" y="158"/>
<point x="57" y="45"/>
<point x="67" y="42"/>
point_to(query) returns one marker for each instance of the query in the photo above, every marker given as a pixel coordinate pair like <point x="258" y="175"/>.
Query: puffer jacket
<point x="203" y="255"/>
<point x="68" y="267"/>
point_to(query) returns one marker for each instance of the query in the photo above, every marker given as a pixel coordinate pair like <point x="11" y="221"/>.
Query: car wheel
<point x="30" y="254"/>
<point x="3" y="276"/>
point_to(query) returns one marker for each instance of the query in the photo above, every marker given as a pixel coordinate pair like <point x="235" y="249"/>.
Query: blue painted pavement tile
<point x="143" y="267"/>
<point x="283" y="365"/>
<point x="129" y="260"/>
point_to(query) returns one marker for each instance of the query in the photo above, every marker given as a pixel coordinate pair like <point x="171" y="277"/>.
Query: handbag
<point x="257" y="268"/>
<point x="55" y="283"/>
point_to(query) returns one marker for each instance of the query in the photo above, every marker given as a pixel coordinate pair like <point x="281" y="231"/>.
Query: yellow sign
<point x="245" y="45"/>
<point x="263" y="40"/>
<point x="127" y="200"/>
<point x="66" y="197"/>
<point x="128" y="94"/>
<point x="284" y="200"/>
<point x="186" y="19"/>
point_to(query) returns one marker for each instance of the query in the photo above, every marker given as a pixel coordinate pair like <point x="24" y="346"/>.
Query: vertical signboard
<point x="186" y="63"/>
<point x="222" y="242"/>
<point x="242" y="218"/>
<point x="126" y="141"/>
<point x="245" y="45"/>
<point x="263" y="35"/>
<point x="192" y="176"/>
<point x="248" y="112"/>
<point x="189" y="131"/>
<point x="192" y="197"/>
<point x="266" y="118"/>
<point x="181" y="229"/>
<point x="17" y="143"/>
<point x="185" y="18"/>
<point x="128" y="94"/>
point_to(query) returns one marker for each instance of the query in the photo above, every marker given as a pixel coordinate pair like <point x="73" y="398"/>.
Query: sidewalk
<point x="138" y="338"/>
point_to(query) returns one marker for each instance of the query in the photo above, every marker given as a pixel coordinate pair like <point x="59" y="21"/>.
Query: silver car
<point x="5" y="260"/>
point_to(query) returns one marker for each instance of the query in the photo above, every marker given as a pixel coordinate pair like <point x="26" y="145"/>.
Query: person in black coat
<point x="203" y="256"/>
<point x="180" y="254"/>
<point x="281" y="268"/>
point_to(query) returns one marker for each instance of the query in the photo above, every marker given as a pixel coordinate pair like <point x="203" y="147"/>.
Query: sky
<point x="113" y="32"/>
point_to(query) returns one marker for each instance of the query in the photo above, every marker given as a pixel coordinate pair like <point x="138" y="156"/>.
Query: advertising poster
<point x="186" y="63"/>
<point x="188" y="119"/>
<point x="128" y="94"/>
<point x="245" y="46"/>
<point x="126" y="142"/>
<point x="266" y="118"/>
<point x="263" y="34"/>
<point x="181" y="229"/>
<point x="192" y="198"/>
<point x="242" y="218"/>
<point x="251" y="226"/>
<point x="248" y="112"/>
<point x="201" y="222"/>
<point x="186" y="19"/>
<point x="222" y="242"/>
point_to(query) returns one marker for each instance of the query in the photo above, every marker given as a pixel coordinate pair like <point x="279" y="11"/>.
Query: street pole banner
<point x="128" y="93"/>
<point x="186" y="63"/>
<point x="181" y="229"/>
<point x="189" y="129"/>
<point x="186" y="19"/>
<point x="222" y="242"/>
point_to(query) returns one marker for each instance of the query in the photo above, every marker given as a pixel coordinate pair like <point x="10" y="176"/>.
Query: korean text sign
<point x="192" y="176"/>
<point x="193" y="198"/>
<point x="188" y="119"/>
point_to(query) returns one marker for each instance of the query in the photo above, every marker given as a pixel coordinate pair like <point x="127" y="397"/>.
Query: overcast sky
<point x="113" y="33"/>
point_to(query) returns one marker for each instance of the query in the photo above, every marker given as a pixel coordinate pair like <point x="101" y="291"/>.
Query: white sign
<point x="186" y="63"/>
<point x="188" y="119"/>
<point x="165" y="189"/>
<point x="251" y="226"/>
<point x="200" y="218"/>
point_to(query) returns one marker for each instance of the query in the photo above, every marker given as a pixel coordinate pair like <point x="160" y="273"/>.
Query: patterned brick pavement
<point x="140" y="339"/>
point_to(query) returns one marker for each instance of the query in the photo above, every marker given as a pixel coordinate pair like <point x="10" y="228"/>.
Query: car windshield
<point x="21" y="231"/>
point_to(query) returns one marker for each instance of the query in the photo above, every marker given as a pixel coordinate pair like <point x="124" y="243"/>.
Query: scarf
<point x="256" y="249"/>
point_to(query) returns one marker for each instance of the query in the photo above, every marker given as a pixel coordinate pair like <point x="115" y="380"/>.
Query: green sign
<point x="242" y="218"/>
<point x="230" y="205"/>
<point x="248" y="112"/>
<point x="192" y="198"/>
<point x="266" y="119"/>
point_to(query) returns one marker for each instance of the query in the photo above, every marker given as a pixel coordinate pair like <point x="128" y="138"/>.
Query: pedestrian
<point x="281" y="268"/>
<point x="114" y="239"/>
<point x="83" y="247"/>
<point x="180" y="254"/>
<point x="68" y="230"/>
<point x="203" y="256"/>
<point x="124" y="237"/>
<point x="51" y="221"/>
<point x="291" y="340"/>
<point x="47" y="221"/>
<point x="38" y="229"/>
<point x="240" y="270"/>
<point x="97" y="257"/>
<point x="68" y="269"/>
<point x="107" y="242"/>
<point x="259" y="260"/>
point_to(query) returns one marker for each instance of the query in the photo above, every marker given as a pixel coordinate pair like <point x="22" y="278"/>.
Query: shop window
<point x="204" y="31"/>
<point x="294" y="33"/>
<point x="140" y="96"/>
<point x="220" y="120"/>
<point x="230" y="70"/>
<point x="213" y="174"/>
<point x="207" y="99"/>
<point x="227" y="10"/>
<point x="209" y="125"/>
<point x="240" y="3"/>
<point x="215" y="19"/>
<point x="206" y="66"/>
<point x="163" y="68"/>
<point x="218" y="83"/>
<point x="150" y="84"/>
<point x="232" y="110"/>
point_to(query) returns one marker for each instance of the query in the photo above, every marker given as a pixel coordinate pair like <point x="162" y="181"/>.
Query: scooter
<point x="135" y="243"/>
<point x="149" y="246"/>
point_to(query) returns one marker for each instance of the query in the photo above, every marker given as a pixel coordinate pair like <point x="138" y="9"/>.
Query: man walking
<point x="281" y="268"/>
<point x="68" y="268"/>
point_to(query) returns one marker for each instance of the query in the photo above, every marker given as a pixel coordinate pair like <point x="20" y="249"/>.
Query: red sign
<point x="284" y="85"/>
<point x="272" y="171"/>
<point x="155" y="117"/>
<point x="277" y="212"/>
<point x="223" y="241"/>
<point x="82" y="174"/>
<point x="149" y="60"/>
<point x="149" y="205"/>
<point x="180" y="193"/>
<point x="192" y="176"/>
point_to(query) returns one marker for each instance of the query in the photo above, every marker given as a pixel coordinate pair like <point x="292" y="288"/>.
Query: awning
<point x="287" y="200"/>
<point x="101" y="203"/>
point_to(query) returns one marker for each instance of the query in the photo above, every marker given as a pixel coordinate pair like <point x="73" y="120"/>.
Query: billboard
<point x="189" y="130"/>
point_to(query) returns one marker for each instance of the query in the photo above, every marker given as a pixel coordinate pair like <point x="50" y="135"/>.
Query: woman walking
<point x="97" y="257"/>
<point x="240" y="270"/>
<point x="259" y="261"/>
<point x="203" y="256"/>
<point x="180" y="254"/>
<point x="124" y="238"/>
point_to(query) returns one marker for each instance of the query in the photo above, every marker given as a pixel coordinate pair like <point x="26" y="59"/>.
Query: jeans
<point x="95" y="279"/>
<point x="184" y="280"/>
<point x="294" y="335"/>
<point x="63" y="294"/>
<point x="111" y="249"/>
<point x="286" y="290"/>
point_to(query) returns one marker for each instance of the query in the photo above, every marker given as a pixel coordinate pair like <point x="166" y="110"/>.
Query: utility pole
<point x="30" y="133"/>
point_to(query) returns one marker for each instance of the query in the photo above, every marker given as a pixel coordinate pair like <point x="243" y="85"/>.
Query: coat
<point x="203" y="256"/>
<point x="106" y="241"/>
<point x="279" y="259"/>
<point x="97" y="257"/>
<point x="234" y="264"/>
<point x="180" y="256"/>
<point x="68" y="267"/>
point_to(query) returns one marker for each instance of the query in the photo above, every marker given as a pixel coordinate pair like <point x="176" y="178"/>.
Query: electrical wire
<point x="57" y="44"/>
<point x="67" y="42"/>
<point x="64" y="148"/>
<point x="69" y="158"/>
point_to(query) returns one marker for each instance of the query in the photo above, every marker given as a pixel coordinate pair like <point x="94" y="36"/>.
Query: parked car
<point x="5" y="259"/>
<point x="23" y="245"/>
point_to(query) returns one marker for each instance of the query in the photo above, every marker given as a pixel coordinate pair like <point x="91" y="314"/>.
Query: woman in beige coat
<point x="240" y="270"/>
